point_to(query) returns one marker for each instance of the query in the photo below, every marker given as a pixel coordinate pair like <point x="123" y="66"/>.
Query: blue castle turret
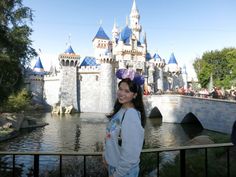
<point x="37" y="81"/>
<point x="69" y="61"/>
<point x="38" y="67"/>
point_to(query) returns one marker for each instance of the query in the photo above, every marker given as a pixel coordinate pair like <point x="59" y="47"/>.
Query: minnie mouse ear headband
<point x="131" y="74"/>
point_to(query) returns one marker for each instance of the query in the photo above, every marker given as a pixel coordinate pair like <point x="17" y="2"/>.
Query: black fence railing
<point x="181" y="149"/>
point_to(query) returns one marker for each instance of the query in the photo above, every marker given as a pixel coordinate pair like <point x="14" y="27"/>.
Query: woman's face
<point x="124" y="95"/>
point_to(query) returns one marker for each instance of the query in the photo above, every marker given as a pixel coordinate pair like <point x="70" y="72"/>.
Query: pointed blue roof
<point x="38" y="67"/>
<point x="69" y="50"/>
<point x="138" y="43"/>
<point x="101" y="34"/>
<point x="148" y="56"/>
<point x="156" y="56"/>
<point x="89" y="61"/>
<point x="143" y="40"/>
<point x="125" y="35"/>
<point x="172" y="59"/>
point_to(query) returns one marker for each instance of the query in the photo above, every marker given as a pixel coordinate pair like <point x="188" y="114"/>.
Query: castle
<point x="89" y="84"/>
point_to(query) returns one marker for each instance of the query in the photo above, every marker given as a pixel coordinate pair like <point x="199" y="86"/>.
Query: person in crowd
<point x="125" y="129"/>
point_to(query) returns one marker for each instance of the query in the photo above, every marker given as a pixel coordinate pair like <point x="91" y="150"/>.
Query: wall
<point x="52" y="89"/>
<point x="213" y="114"/>
<point x="89" y="91"/>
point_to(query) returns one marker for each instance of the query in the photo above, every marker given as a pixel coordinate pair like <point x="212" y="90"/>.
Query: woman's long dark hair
<point x="137" y="101"/>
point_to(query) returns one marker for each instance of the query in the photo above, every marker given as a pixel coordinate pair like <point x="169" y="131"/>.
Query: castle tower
<point x="134" y="21"/>
<point x="101" y="43"/>
<point x="69" y="86"/>
<point x="185" y="77"/>
<point x="36" y="81"/>
<point x="144" y="44"/>
<point x="107" y="83"/>
<point x="129" y="50"/>
<point x="160" y="64"/>
<point x="173" y="71"/>
<point x="115" y="34"/>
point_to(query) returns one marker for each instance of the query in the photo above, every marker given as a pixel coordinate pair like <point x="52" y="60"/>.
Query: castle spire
<point x="100" y="22"/>
<point x="115" y="32"/>
<point x="38" y="67"/>
<point x="134" y="21"/>
<point x="134" y="7"/>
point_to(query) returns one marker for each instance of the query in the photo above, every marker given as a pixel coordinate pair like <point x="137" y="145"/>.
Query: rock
<point x="32" y="123"/>
<point x="56" y="109"/>
<point x="11" y="123"/>
<point x="15" y="119"/>
<point x="69" y="109"/>
<point x="7" y="125"/>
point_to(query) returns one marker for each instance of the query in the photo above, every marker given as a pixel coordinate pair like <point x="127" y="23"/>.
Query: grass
<point x="4" y="132"/>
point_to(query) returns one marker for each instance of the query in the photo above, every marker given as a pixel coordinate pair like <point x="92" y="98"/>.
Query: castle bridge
<point x="213" y="114"/>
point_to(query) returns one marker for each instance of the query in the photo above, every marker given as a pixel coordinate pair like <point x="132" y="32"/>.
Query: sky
<point x="188" y="28"/>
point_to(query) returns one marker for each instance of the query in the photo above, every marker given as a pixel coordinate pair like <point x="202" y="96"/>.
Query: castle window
<point x="97" y="77"/>
<point x="67" y="62"/>
<point x="72" y="63"/>
<point x="80" y="78"/>
<point x="63" y="62"/>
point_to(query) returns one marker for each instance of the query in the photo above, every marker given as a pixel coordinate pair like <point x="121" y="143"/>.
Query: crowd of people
<point x="216" y="92"/>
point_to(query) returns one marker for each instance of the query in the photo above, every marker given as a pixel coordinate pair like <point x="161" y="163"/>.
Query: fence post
<point x="228" y="162"/>
<point x="36" y="165"/>
<point x="158" y="167"/>
<point x="182" y="163"/>
<point x="14" y="165"/>
<point x="60" y="165"/>
<point x="85" y="166"/>
<point x="206" y="163"/>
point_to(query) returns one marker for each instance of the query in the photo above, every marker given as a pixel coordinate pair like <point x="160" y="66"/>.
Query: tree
<point x="15" y="45"/>
<point x="220" y="64"/>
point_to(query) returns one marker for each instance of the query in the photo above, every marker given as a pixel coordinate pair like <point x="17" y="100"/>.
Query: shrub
<point x="18" y="102"/>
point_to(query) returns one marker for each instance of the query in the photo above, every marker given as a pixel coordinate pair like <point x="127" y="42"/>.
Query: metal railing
<point x="182" y="154"/>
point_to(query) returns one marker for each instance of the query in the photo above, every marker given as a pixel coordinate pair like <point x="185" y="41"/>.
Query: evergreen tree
<point x="15" y="45"/>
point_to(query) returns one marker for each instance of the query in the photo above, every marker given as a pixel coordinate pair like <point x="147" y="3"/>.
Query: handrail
<point x="177" y="148"/>
<point x="181" y="149"/>
<point x="150" y="150"/>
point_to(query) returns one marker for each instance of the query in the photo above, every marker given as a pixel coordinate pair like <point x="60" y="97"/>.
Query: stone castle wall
<point x="52" y="89"/>
<point x="69" y="87"/>
<point x="89" y="91"/>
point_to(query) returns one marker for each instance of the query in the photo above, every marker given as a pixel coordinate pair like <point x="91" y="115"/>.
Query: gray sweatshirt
<point x="126" y="156"/>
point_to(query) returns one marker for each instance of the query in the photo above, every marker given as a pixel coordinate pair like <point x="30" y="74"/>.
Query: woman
<point x="125" y="130"/>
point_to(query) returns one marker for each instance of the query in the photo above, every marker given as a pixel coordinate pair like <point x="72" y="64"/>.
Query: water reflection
<point x="77" y="135"/>
<point x="85" y="132"/>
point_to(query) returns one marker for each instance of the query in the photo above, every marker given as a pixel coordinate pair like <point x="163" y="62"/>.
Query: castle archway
<point x="155" y="113"/>
<point x="190" y="118"/>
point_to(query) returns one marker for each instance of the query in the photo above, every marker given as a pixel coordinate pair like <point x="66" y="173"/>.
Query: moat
<point x="85" y="133"/>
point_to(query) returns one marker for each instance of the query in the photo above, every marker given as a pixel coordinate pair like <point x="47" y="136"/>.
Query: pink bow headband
<point x="131" y="74"/>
